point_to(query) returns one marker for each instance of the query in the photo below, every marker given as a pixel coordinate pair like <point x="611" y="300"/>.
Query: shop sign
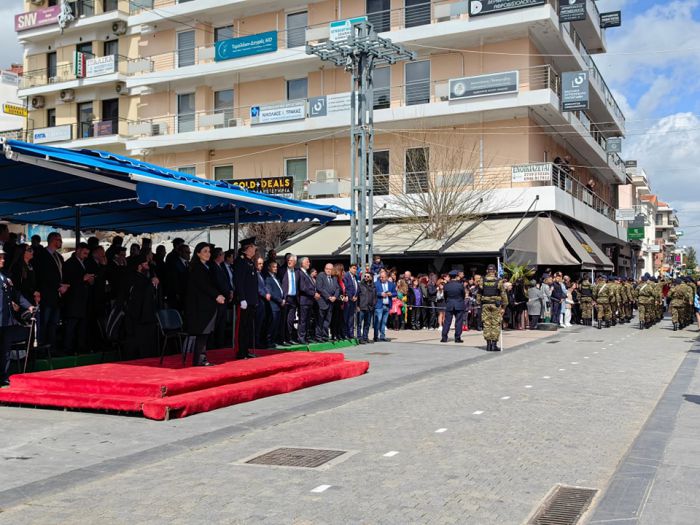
<point x="487" y="7"/>
<point x="574" y="90"/>
<point x="484" y="85"/>
<point x="572" y="10"/>
<point x="246" y="46"/>
<point x="14" y="109"/>
<point x="635" y="234"/>
<point x="94" y="67"/>
<point x="625" y="215"/>
<point x="38" y="18"/>
<point x="611" y="19"/>
<point x="292" y="110"/>
<point x="341" y="29"/>
<point x="53" y="134"/>
<point x="541" y="172"/>
<point x="613" y="145"/>
<point x="271" y="185"/>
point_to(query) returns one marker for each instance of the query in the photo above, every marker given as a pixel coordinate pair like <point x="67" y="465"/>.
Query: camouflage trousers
<point x="586" y="308"/>
<point x="627" y="310"/>
<point x="646" y="312"/>
<point x="615" y="310"/>
<point x="491" y="318"/>
<point x="678" y="312"/>
<point x="604" y="312"/>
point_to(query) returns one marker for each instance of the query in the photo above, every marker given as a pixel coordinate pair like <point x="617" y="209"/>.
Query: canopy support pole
<point x="77" y="226"/>
<point x="236" y="220"/>
<point x="230" y="233"/>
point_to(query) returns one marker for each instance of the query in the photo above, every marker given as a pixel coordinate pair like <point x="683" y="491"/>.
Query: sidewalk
<point x="511" y="338"/>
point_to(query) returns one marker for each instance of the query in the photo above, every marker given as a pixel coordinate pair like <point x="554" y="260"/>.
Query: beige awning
<point x="487" y="236"/>
<point x="318" y="241"/>
<point x="588" y="253"/>
<point x="539" y="244"/>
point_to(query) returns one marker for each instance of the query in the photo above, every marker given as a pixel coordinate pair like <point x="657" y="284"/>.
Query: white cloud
<point x="11" y="50"/>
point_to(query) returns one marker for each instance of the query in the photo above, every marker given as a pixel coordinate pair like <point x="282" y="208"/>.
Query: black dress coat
<point x="75" y="300"/>
<point x="200" y="301"/>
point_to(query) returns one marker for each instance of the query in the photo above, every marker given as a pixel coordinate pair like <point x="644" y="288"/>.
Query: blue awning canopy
<point x="48" y="185"/>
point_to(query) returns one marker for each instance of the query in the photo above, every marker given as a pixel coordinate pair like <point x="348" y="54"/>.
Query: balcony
<point x="63" y="76"/>
<point x="589" y="29"/>
<point x="88" y="15"/>
<point x="107" y="132"/>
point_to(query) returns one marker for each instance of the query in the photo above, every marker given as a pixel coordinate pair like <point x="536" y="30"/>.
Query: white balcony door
<point x="185" y="112"/>
<point x="185" y="48"/>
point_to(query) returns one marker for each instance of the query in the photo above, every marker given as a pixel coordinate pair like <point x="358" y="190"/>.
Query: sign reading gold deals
<point x="274" y="185"/>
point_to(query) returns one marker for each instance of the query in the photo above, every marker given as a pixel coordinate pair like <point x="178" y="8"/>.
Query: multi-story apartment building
<point x="666" y="223"/>
<point x="225" y="90"/>
<point x="12" y="112"/>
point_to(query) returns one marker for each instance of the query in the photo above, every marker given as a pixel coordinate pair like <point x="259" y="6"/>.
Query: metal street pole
<point x="360" y="53"/>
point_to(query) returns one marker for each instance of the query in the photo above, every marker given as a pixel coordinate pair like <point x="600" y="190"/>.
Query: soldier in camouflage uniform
<point x="615" y="299"/>
<point x="601" y="295"/>
<point x="645" y="302"/>
<point x="659" y="296"/>
<point x="686" y="313"/>
<point x="493" y="299"/>
<point x="629" y="299"/>
<point x="586" y="300"/>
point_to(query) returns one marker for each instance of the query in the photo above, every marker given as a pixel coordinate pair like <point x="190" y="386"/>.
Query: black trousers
<point x="534" y="321"/>
<point x="459" y="322"/>
<point x="8" y="336"/>
<point x="246" y="330"/>
<point x="289" y="315"/>
<point x="274" y="326"/>
<point x="217" y="339"/>
<point x="260" y="326"/>
<point x="305" y="313"/>
<point x="76" y="334"/>
<point x="324" y="321"/>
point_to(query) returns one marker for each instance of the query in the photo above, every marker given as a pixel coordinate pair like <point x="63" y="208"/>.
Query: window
<point x="296" y="168"/>
<point x="51" y="65"/>
<point x="417" y="82"/>
<point x="223" y="33"/>
<point x="296" y="29"/>
<point x="187" y="170"/>
<point x="382" y="87"/>
<point x="380" y="173"/>
<point x="417" y="13"/>
<point x="223" y="103"/>
<point x="378" y="14"/>
<point x="110" y="117"/>
<point x="52" y="3"/>
<point x="659" y="219"/>
<point x="224" y="173"/>
<point x="85" y="118"/>
<point x="185" y="112"/>
<point x="110" y="5"/>
<point x="51" y="117"/>
<point x="110" y="48"/>
<point x="659" y="234"/>
<point x="185" y="48"/>
<point x="297" y="88"/>
<point x="417" y="162"/>
<point x="81" y="8"/>
<point x="84" y="47"/>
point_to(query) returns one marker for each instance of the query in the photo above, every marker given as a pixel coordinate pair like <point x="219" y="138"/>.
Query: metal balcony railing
<point x="89" y="129"/>
<point x="63" y="73"/>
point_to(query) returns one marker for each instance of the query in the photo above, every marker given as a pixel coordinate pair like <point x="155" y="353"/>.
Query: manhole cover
<point x="378" y="353"/>
<point x="296" y="457"/>
<point x="564" y="506"/>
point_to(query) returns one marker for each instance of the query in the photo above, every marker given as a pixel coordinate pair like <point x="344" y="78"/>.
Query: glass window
<point x="52" y="3"/>
<point x="85" y="118"/>
<point x="81" y="8"/>
<point x="111" y="47"/>
<point x="659" y="219"/>
<point x="110" y="5"/>
<point x="185" y="112"/>
<point x="418" y="82"/>
<point x="51" y="65"/>
<point x="379" y="14"/>
<point x="84" y="47"/>
<point x="110" y="117"/>
<point x="417" y="161"/>
<point x="223" y="103"/>
<point x="296" y="29"/>
<point x="296" y="168"/>
<point x="185" y="48"/>
<point x="382" y="89"/>
<point x="224" y="173"/>
<point x="380" y="173"/>
<point x="51" y="117"/>
<point x="297" y="88"/>
<point x="417" y="13"/>
<point x="187" y="170"/>
<point x="223" y="33"/>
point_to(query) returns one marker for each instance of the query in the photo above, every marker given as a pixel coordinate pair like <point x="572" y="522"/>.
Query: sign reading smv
<point x="574" y="90"/>
<point x="245" y="46"/>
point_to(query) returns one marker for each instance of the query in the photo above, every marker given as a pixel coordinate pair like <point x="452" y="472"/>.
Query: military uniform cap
<point x="250" y="241"/>
<point x="491" y="268"/>
<point x="453" y="273"/>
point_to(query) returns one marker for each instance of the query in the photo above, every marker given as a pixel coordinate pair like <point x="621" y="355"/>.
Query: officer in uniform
<point x="601" y="295"/>
<point x="629" y="299"/>
<point x="586" y="300"/>
<point x="615" y="299"/>
<point x="246" y="290"/>
<point x="645" y="302"/>
<point x="493" y="300"/>
<point x="678" y="300"/>
<point x="454" y="306"/>
<point x="659" y="300"/>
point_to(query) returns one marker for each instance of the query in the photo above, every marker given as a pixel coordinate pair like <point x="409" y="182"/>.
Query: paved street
<point x="435" y="433"/>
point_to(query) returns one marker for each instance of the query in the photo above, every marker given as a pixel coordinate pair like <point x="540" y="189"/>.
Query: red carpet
<point x="171" y="390"/>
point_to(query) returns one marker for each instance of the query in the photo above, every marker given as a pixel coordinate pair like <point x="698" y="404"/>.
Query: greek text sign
<point x="611" y="19"/>
<point x="574" y="90"/>
<point x="94" y="67"/>
<point x="41" y="17"/>
<point x="486" y="7"/>
<point x="292" y="110"/>
<point x="484" y="85"/>
<point x="341" y="29"/>
<point x="245" y="46"/>
<point x="14" y="109"/>
<point x="572" y="10"/>
<point x="54" y="134"/>
<point x="532" y="172"/>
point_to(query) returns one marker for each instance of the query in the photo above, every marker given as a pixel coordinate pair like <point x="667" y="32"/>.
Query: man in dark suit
<point x="275" y="305"/>
<point x="454" y="307"/>
<point x="263" y="304"/>
<point x="225" y="287"/>
<point x="307" y="298"/>
<point x="352" y="289"/>
<point x="75" y="300"/>
<point x="328" y="290"/>
<point x="177" y="271"/>
<point x="245" y="283"/>
<point x="386" y="291"/>
<point x="289" y="279"/>
<point x="49" y="272"/>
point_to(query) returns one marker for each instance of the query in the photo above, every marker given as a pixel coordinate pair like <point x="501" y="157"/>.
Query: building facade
<point x="226" y="91"/>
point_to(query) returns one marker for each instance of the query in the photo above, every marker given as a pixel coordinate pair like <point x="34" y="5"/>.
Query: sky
<point x="652" y="67"/>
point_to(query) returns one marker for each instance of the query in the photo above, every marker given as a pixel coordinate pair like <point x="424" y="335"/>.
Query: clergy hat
<point x="250" y="241"/>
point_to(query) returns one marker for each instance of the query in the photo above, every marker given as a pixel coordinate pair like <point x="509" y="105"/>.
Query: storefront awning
<point x="486" y="237"/>
<point x="539" y="244"/>
<point x="587" y="252"/>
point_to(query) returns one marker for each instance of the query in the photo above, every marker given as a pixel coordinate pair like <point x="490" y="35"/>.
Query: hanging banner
<point x="613" y="145"/>
<point x="246" y="46"/>
<point x="271" y="185"/>
<point x="484" y="85"/>
<point x="574" y="90"/>
<point x="14" y="109"/>
<point x="94" y="67"/>
<point x="611" y="19"/>
<point x="38" y="18"/>
<point x="341" y="29"/>
<point x="79" y="65"/>
<point x="264" y="114"/>
<point x="541" y="172"/>
<point x="487" y="7"/>
<point x="572" y="10"/>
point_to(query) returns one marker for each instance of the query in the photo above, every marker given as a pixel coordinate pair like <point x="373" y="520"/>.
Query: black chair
<point x="170" y="327"/>
<point x="113" y="342"/>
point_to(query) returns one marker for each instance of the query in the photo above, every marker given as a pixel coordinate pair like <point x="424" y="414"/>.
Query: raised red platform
<point x="171" y="390"/>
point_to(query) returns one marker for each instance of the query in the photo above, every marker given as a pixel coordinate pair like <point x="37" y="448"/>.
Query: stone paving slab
<point x="572" y="412"/>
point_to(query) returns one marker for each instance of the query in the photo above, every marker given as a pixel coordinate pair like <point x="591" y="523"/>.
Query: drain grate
<point x="296" y="457"/>
<point x="378" y="353"/>
<point x="564" y="506"/>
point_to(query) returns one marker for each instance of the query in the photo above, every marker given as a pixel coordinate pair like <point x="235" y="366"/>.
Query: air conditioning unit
<point x="233" y="122"/>
<point x="37" y="102"/>
<point x="325" y="175"/>
<point x="37" y="2"/>
<point x="120" y="88"/>
<point x="67" y="95"/>
<point x="119" y="27"/>
<point x="161" y="128"/>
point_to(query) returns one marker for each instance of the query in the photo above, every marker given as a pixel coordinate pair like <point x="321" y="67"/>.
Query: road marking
<point x="546" y="377"/>
<point x="321" y="488"/>
<point x="440" y="430"/>
<point x="477" y="412"/>
<point x="574" y="362"/>
<point x="505" y="398"/>
<point x="610" y="344"/>
<point x="391" y="453"/>
<point x="595" y="352"/>
<point x="562" y="369"/>
<point x="528" y="386"/>
<point x="586" y="357"/>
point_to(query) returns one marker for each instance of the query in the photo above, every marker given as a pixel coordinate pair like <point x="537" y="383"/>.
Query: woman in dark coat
<point x="22" y="273"/>
<point x="200" y="303"/>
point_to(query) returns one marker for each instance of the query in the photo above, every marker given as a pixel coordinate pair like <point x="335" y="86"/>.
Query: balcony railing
<point x="581" y="192"/>
<point x="87" y="130"/>
<point x="63" y="73"/>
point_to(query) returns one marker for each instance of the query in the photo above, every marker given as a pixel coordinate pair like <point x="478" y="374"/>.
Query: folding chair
<point x="170" y="327"/>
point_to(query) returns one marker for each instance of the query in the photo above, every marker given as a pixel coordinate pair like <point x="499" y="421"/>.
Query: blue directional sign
<point x="246" y="45"/>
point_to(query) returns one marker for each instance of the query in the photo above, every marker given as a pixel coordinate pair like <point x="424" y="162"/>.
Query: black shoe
<point x="4" y="382"/>
<point x="384" y="340"/>
<point x="600" y="323"/>
<point x="443" y="340"/>
<point x="375" y="340"/>
<point x="675" y="327"/>
<point x="459" y="341"/>
<point x="489" y="345"/>
<point x="361" y="342"/>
